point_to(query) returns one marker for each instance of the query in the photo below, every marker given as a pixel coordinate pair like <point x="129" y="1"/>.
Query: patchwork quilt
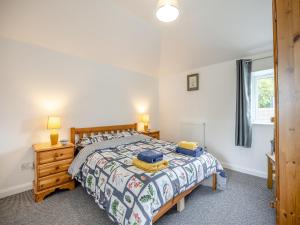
<point x="128" y="194"/>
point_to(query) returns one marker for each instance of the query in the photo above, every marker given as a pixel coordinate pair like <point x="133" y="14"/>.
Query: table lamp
<point x="145" y="120"/>
<point x="53" y="124"/>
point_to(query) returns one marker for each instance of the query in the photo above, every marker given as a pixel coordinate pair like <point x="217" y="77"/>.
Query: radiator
<point x="193" y="131"/>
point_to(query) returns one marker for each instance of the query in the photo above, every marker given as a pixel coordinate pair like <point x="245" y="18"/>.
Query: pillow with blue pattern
<point x="104" y="137"/>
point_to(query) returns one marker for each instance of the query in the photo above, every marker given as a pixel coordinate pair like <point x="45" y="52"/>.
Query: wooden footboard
<point x="179" y="200"/>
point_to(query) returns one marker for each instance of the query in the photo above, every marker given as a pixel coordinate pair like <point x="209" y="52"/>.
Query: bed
<point x="131" y="196"/>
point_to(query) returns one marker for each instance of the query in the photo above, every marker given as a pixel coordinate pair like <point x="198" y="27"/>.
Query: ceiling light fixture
<point x="167" y="10"/>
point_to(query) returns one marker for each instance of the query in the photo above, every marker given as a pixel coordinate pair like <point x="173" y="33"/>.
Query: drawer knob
<point x="56" y="155"/>
<point x="57" y="168"/>
<point x="57" y="180"/>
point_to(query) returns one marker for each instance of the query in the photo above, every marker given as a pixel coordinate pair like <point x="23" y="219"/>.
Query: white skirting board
<point x="253" y="172"/>
<point x="15" y="189"/>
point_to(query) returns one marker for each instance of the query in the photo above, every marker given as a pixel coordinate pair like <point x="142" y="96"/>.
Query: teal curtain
<point x="243" y="127"/>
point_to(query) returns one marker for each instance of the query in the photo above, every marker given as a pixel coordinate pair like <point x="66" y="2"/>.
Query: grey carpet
<point x="244" y="202"/>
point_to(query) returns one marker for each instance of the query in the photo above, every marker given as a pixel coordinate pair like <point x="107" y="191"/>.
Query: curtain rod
<point x="266" y="57"/>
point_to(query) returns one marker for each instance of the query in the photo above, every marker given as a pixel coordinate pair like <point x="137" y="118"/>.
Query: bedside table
<point x="51" y="165"/>
<point x="151" y="133"/>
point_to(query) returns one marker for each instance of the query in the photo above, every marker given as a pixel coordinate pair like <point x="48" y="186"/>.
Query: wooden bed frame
<point x="179" y="199"/>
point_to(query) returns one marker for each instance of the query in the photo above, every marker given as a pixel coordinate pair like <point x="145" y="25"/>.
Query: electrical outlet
<point x="27" y="166"/>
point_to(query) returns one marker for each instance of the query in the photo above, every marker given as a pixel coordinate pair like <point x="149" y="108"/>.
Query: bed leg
<point x="180" y="205"/>
<point x="214" y="182"/>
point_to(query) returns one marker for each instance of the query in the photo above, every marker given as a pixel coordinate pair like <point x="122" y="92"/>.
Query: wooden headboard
<point x="88" y="131"/>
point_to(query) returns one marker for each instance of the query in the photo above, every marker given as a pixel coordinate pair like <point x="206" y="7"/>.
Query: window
<point x="262" y="96"/>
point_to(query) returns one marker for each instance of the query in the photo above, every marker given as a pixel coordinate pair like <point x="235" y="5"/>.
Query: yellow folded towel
<point x="188" y="145"/>
<point x="150" y="167"/>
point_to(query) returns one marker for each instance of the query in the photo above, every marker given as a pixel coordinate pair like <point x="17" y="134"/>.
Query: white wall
<point x="214" y="104"/>
<point x="36" y="82"/>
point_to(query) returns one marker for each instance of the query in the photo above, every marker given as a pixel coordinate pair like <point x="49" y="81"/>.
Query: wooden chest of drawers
<point x="51" y="169"/>
<point x="152" y="133"/>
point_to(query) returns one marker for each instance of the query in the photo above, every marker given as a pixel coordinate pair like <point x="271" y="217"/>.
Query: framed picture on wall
<point x="193" y="82"/>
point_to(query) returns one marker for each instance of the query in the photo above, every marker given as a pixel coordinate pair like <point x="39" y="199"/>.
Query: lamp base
<point x="146" y="128"/>
<point x="54" y="139"/>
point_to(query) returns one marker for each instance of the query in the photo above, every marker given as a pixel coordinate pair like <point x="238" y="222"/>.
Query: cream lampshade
<point x="53" y="124"/>
<point x="167" y="10"/>
<point x="145" y="119"/>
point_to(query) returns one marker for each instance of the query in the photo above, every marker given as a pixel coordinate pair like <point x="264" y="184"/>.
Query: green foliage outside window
<point x="266" y="92"/>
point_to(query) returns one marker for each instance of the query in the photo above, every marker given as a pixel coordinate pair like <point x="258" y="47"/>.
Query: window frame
<point x="255" y="76"/>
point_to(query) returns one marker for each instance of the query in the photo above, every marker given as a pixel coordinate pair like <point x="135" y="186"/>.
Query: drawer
<point x="53" y="180"/>
<point x="54" y="167"/>
<point x="55" y="155"/>
<point x="155" y="135"/>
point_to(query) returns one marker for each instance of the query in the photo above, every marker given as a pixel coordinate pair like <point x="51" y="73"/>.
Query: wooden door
<point x="286" y="21"/>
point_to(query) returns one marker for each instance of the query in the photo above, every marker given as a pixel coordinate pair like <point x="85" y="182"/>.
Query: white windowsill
<point x="261" y="123"/>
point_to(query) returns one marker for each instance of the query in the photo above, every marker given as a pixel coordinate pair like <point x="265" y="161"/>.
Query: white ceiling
<point x="142" y="8"/>
<point x="209" y="31"/>
<point x="98" y="30"/>
<point x="125" y="33"/>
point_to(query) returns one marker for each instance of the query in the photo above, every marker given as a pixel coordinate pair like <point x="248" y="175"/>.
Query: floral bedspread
<point x="129" y="195"/>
